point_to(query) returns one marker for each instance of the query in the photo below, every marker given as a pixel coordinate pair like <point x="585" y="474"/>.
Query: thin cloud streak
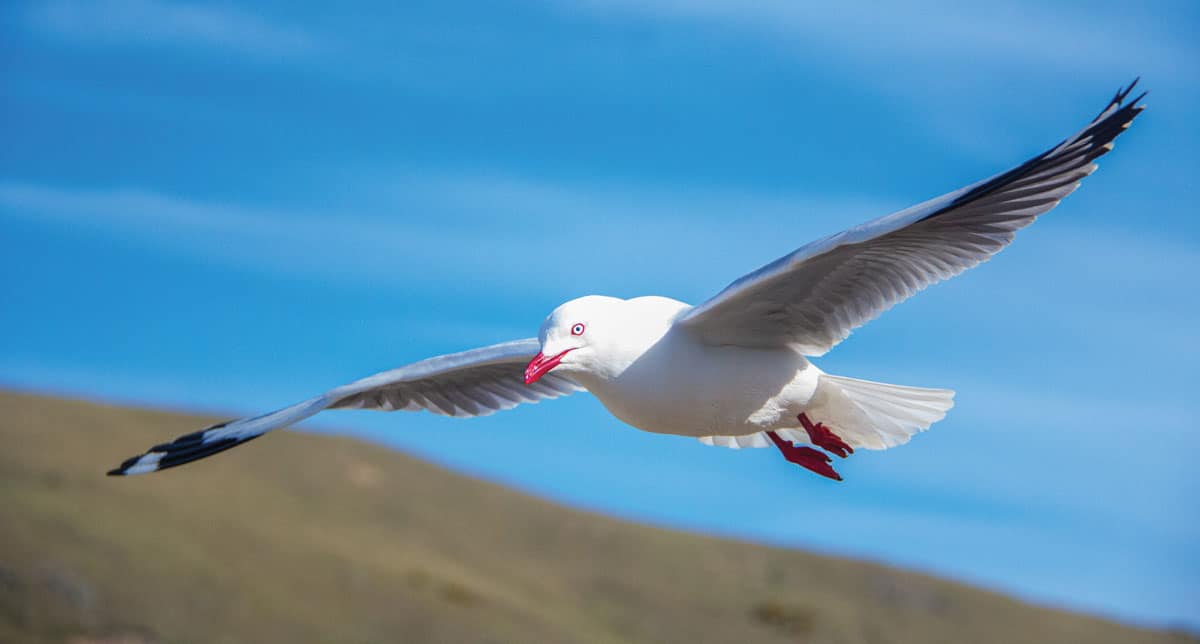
<point x="287" y="243"/>
<point x="959" y="50"/>
<point x="171" y="24"/>
<point x="1059" y="39"/>
<point x="493" y="217"/>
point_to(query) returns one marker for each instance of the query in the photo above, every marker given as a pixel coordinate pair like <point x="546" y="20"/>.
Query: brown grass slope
<point x="303" y="538"/>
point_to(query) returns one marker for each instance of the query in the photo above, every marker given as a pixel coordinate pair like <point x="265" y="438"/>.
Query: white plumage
<point x="734" y="370"/>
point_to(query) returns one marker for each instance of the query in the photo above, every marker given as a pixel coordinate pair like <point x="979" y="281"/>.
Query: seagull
<point x="733" y="371"/>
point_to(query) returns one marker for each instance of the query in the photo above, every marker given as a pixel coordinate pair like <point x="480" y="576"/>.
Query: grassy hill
<point x="303" y="538"/>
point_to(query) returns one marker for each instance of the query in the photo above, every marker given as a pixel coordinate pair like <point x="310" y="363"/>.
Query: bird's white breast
<point x="678" y="385"/>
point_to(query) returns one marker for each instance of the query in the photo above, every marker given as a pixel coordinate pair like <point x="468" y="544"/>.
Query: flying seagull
<point x="733" y="371"/>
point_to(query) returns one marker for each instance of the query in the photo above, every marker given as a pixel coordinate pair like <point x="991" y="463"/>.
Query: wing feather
<point x="814" y="297"/>
<point x="471" y="383"/>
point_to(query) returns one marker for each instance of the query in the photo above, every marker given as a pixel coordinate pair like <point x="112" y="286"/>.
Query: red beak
<point x="541" y="365"/>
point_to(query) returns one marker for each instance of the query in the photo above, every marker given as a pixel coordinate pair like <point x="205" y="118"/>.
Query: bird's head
<point x="574" y="337"/>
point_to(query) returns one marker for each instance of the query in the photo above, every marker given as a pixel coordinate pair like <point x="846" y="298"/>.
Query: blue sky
<point x="228" y="208"/>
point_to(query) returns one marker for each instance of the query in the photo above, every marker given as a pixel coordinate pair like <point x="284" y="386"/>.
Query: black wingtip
<point x="1122" y="93"/>
<point x="121" y="469"/>
<point x="1118" y="99"/>
<point x="1098" y="137"/>
<point x="185" y="450"/>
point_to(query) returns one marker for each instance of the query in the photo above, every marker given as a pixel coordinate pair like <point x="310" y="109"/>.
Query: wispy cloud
<point x="933" y="58"/>
<point x="1090" y="38"/>
<point x="278" y="241"/>
<point x="165" y="23"/>
<point x="622" y="239"/>
<point x="477" y="228"/>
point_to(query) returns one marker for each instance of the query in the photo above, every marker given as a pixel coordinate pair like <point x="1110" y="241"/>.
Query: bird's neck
<point x="637" y="336"/>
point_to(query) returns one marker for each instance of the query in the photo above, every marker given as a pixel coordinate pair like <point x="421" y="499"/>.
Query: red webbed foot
<point x="823" y="437"/>
<point x="805" y="457"/>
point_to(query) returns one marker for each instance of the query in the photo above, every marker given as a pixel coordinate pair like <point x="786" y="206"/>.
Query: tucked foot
<point x="823" y="437"/>
<point x="805" y="457"/>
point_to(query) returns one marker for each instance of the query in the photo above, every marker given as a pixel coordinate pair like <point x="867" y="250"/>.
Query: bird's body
<point x="733" y="370"/>
<point x="685" y="388"/>
<point x="659" y="375"/>
<point x="665" y="380"/>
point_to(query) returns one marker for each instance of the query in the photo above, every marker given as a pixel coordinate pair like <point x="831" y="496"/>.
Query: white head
<point x="599" y="336"/>
<point x="577" y="336"/>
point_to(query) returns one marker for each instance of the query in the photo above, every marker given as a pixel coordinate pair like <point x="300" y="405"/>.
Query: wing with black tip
<point x="471" y="383"/>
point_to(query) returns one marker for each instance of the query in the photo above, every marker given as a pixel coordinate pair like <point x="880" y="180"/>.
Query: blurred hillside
<point x="307" y="538"/>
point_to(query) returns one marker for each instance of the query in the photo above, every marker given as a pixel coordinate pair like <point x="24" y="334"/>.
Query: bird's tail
<point x="876" y="415"/>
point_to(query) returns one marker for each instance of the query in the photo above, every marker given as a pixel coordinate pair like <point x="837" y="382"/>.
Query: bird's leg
<point x="805" y="457"/>
<point x="822" y="437"/>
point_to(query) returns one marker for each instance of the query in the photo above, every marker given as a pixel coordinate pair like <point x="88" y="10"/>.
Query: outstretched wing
<point x="471" y="383"/>
<point x="814" y="297"/>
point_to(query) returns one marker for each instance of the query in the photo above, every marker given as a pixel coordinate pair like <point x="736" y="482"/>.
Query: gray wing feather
<point x="814" y="297"/>
<point x="471" y="383"/>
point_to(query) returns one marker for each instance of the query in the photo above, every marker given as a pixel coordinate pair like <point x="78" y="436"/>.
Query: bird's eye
<point x="577" y="329"/>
